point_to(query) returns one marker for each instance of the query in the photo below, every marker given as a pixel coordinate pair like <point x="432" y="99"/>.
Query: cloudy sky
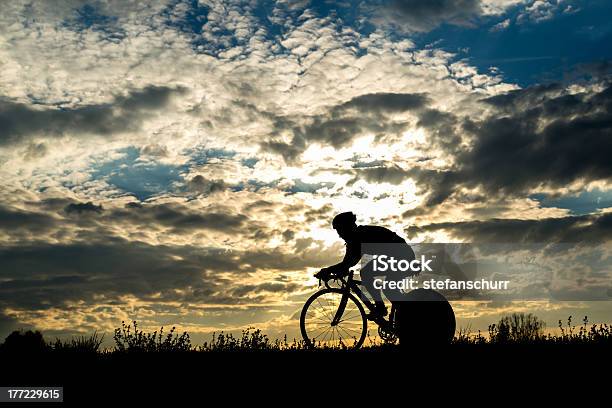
<point x="179" y="162"/>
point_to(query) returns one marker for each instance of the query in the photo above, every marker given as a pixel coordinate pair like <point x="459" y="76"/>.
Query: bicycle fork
<point x="340" y="310"/>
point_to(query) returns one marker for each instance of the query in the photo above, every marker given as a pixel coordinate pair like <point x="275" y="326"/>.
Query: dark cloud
<point x="436" y="184"/>
<point x="289" y="152"/>
<point x="288" y="235"/>
<point x="541" y="140"/>
<point x="322" y="214"/>
<point x="35" y="151"/>
<point x="201" y="184"/>
<point x="19" y="121"/>
<point x="389" y="173"/>
<point x="8" y="324"/>
<point x="587" y="228"/>
<point x="537" y="137"/>
<point x="89" y="219"/>
<point x="180" y="218"/>
<point x="344" y="122"/>
<point x="42" y="276"/>
<point x="418" y="15"/>
<point x="134" y="204"/>
<point x="596" y="70"/>
<point x="259" y="205"/>
<point x="442" y="128"/>
<point x="17" y="222"/>
<point x="270" y="287"/>
<point x="520" y="99"/>
<point x="380" y="103"/>
<point x="80" y="208"/>
<point x="154" y="150"/>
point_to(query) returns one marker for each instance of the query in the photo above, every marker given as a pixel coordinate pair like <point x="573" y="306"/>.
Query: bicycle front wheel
<point x="333" y="318"/>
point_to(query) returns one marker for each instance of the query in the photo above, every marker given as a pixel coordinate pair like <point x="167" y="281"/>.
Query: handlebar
<point x="335" y="277"/>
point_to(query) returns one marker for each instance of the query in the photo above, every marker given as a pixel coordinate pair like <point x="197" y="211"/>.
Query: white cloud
<point x="543" y="10"/>
<point x="501" y="26"/>
<point x="497" y="7"/>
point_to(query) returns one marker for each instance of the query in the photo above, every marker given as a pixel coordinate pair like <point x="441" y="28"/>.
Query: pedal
<point x="387" y="334"/>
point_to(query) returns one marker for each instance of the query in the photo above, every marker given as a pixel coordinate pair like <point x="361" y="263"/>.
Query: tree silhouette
<point x="517" y="327"/>
<point x="24" y="342"/>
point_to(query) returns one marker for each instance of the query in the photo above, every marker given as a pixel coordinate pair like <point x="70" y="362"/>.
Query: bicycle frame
<point x="349" y="285"/>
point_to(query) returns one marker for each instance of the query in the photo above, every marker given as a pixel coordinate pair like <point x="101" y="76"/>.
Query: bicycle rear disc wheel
<point x="318" y="314"/>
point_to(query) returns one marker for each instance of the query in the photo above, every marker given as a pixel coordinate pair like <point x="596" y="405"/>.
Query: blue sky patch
<point x="300" y="186"/>
<point x="200" y="156"/>
<point x="89" y="17"/>
<point x="249" y="162"/>
<point x="586" y="202"/>
<point x="188" y="17"/>
<point x="532" y="52"/>
<point x="141" y="178"/>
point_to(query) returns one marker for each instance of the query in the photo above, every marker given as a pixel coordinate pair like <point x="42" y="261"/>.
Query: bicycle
<point x="335" y="317"/>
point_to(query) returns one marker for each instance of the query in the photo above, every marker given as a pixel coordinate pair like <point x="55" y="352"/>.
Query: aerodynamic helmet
<point x="344" y="219"/>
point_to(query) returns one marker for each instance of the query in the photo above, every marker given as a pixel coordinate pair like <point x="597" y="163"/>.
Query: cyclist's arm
<point x="351" y="258"/>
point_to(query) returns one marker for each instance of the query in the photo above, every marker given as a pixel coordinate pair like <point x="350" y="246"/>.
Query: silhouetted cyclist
<point x="355" y="235"/>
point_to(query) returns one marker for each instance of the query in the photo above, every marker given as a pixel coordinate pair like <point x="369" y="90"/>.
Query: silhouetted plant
<point x="251" y="340"/>
<point x="517" y="328"/>
<point x="137" y="340"/>
<point x="81" y="344"/>
<point x="585" y="334"/>
<point x="465" y="336"/>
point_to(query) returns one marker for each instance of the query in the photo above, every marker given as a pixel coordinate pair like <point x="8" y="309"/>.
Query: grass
<point x="80" y="344"/>
<point x="518" y="328"/>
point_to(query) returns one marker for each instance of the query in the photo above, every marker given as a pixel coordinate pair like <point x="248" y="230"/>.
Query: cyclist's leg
<point x="367" y="278"/>
<point x="404" y="254"/>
